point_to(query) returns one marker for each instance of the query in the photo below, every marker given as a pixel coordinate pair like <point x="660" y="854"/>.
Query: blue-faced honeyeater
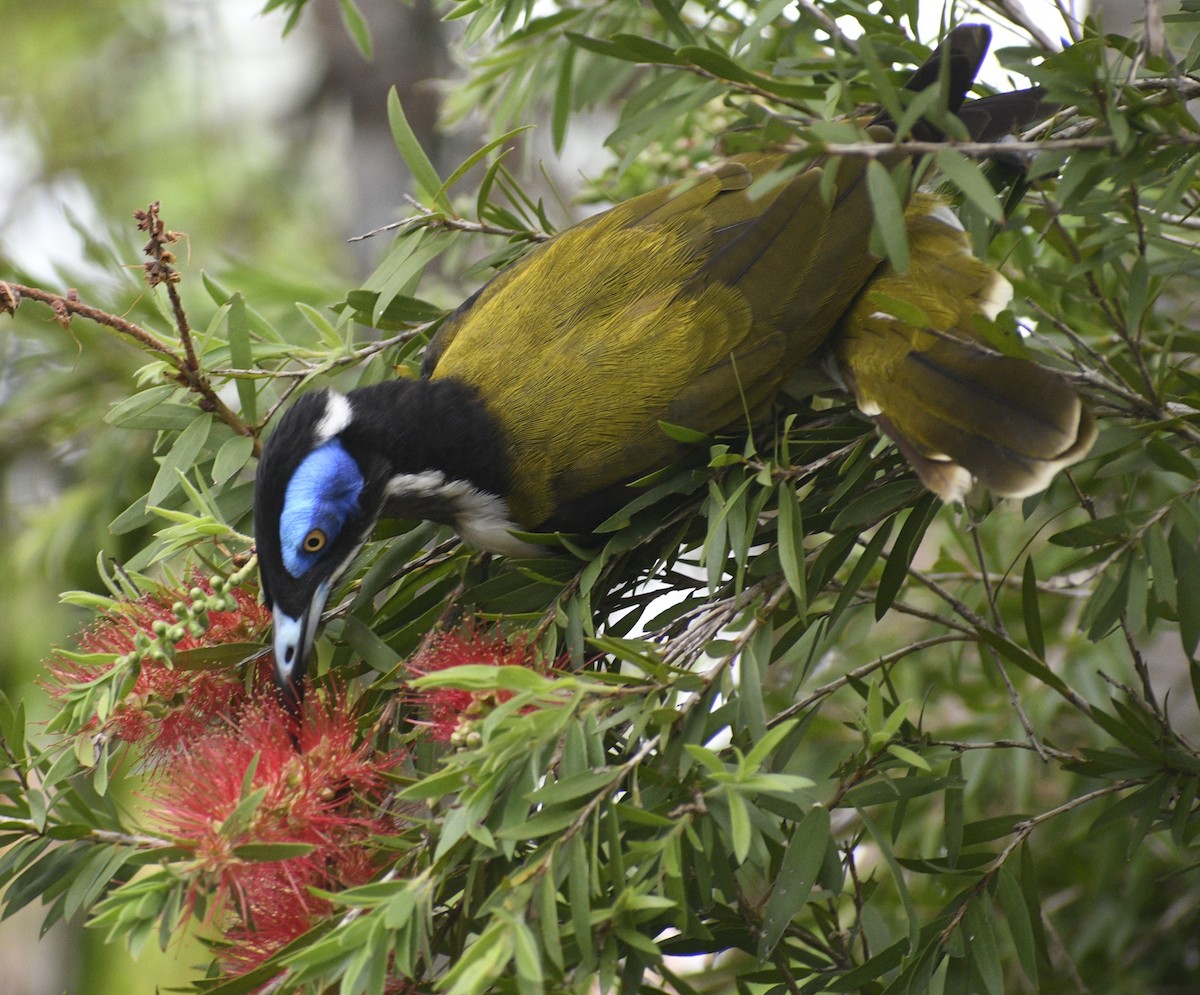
<point x="541" y="397"/>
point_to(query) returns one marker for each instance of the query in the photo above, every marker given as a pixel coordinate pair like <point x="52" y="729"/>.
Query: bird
<point x="541" y="397"/>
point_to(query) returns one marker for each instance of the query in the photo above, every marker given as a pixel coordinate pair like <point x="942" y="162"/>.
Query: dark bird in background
<point x="541" y="396"/>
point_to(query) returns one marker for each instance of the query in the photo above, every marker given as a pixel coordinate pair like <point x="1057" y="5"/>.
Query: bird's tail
<point x="911" y="352"/>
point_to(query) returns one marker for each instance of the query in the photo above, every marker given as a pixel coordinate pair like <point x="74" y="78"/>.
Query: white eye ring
<point x="315" y="541"/>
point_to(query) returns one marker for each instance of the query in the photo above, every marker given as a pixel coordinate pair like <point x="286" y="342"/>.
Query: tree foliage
<point x="791" y="725"/>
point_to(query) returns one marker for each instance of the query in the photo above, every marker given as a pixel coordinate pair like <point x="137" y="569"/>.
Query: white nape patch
<point x="881" y="316"/>
<point x="338" y="413"/>
<point x="869" y="408"/>
<point x="944" y="214"/>
<point x="482" y="519"/>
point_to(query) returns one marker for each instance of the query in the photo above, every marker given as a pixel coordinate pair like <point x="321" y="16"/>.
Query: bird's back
<point x="690" y="305"/>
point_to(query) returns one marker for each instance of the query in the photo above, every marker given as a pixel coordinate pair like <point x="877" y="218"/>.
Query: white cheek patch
<point x="322" y="494"/>
<point x="482" y="519"/>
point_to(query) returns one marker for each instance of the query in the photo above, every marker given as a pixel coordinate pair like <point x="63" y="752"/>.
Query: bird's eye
<point x="315" y="541"/>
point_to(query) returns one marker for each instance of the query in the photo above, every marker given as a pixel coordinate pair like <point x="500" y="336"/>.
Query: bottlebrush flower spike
<point x="167" y="707"/>
<point x="245" y="784"/>
<point x="452" y="712"/>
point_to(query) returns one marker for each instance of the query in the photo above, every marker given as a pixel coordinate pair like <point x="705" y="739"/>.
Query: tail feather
<point x="956" y="409"/>
<point x="1007" y="422"/>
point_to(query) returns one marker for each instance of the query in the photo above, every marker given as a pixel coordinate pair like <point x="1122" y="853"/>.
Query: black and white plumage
<point x="337" y="463"/>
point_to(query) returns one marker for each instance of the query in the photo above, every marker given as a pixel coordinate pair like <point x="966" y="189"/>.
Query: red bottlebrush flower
<point x="167" y="706"/>
<point x="453" y="711"/>
<point x="246" y="784"/>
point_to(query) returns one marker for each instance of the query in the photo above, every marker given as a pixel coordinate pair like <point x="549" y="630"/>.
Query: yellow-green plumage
<point x="689" y="305"/>
<point x="955" y="408"/>
<point x="693" y="304"/>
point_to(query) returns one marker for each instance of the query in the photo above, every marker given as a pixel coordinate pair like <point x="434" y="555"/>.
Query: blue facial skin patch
<point x="322" y="494"/>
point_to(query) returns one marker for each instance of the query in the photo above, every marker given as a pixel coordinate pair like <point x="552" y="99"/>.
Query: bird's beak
<point x="294" y="639"/>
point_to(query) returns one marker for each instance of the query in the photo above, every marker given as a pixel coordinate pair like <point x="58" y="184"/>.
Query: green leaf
<point x="802" y="861"/>
<point x="899" y="559"/>
<point x="669" y="13"/>
<point x="561" y="112"/>
<point x="982" y="946"/>
<point x="476" y="157"/>
<point x="889" y="215"/>
<point x="153" y="409"/>
<point x="481" y="962"/>
<point x="579" y="897"/>
<point x="739" y="826"/>
<point x="241" y="357"/>
<point x="970" y="180"/>
<point x="910" y="757"/>
<point x="1030" y="603"/>
<point x="1187" y="589"/>
<point x="570" y="788"/>
<point x="717" y="63"/>
<point x="356" y="25"/>
<point x="481" y="677"/>
<point x="791" y="545"/>
<point x="216" y="657"/>
<point x="232" y="457"/>
<point x="1025" y="660"/>
<point x="1020" y="924"/>
<point x="180" y="459"/>
<point x="266" y="852"/>
<point x="424" y="175"/>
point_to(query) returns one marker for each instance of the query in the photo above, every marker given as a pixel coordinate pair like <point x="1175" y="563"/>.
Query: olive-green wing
<point x="689" y="304"/>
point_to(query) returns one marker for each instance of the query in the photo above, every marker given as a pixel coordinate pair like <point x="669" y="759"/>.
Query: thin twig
<point x="1021" y="831"/>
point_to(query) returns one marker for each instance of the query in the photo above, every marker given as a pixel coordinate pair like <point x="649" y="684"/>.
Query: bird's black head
<point x="315" y="503"/>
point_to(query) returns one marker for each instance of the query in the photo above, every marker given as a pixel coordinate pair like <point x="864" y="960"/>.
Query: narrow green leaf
<point x="952" y="821"/>
<point x="481" y="963"/>
<point x="791" y="545"/>
<point x="579" y="896"/>
<point x="424" y="175"/>
<point x="268" y="852"/>
<point x="895" y="566"/>
<point x="970" y="180"/>
<point x="1030" y="602"/>
<point x="1020" y="927"/>
<point x="1025" y="660"/>
<point x="669" y="12"/>
<point x="981" y="947"/>
<point x="1187" y="589"/>
<point x="569" y="788"/>
<point x="215" y="657"/>
<point x="241" y="357"/>
<point x="889" y="215"/>
<point x="561" y="112"/>
<point x="527" y="957"/>
<point x="233" y="455"/>
<point x="181" y="458"/>
<point x="476" y="157"/>
<point x="328" y="334"/>
<point x="356" y="25"/>
<point x="739" y="826"/>
<point x="717" y="63"/>
<point x="910" y="757"/>
<point x="481" y="677"/>
<point x="548" y="919"/>
<point x="802" y="861"/>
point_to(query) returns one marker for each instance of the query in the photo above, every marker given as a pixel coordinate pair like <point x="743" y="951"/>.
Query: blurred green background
<point x="268" y="152"/>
